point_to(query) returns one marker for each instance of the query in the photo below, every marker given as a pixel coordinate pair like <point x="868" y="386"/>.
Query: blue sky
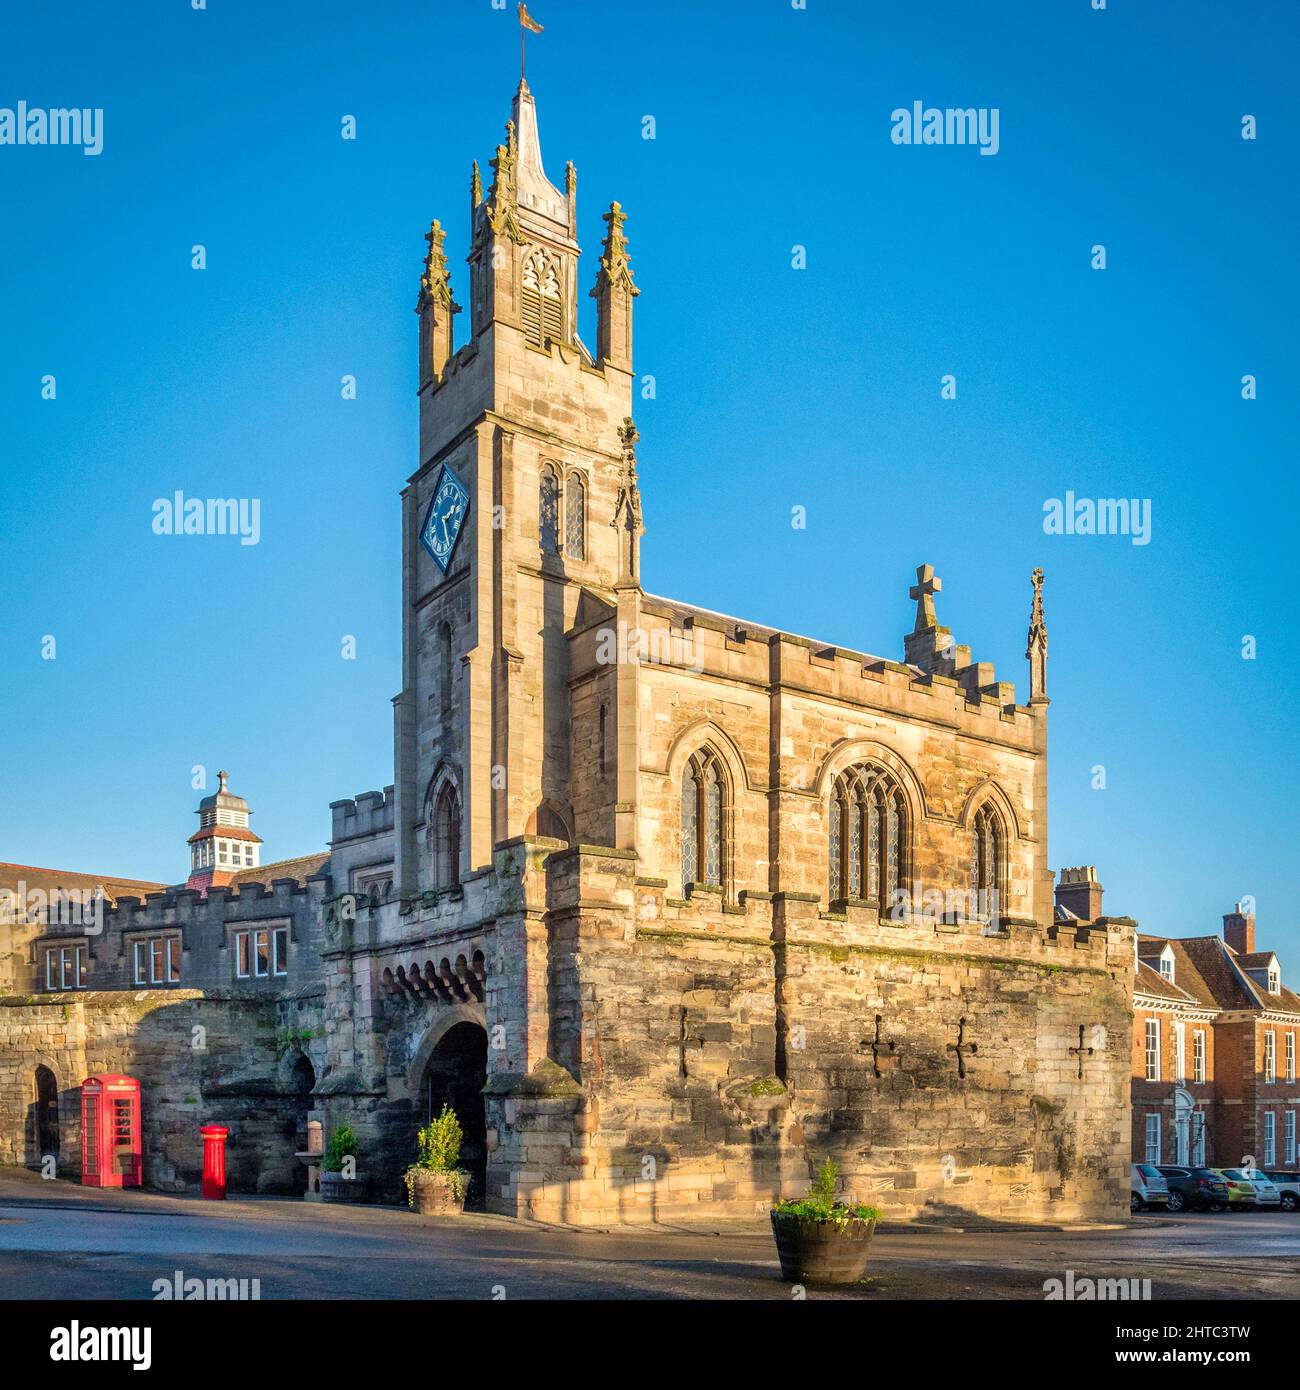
<point x="776" y="387"/>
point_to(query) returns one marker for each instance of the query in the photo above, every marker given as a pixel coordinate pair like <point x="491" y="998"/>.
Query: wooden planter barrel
<point x="821" y="1252"/>
<point x="437" y="1194"/>
<point x="334" y="1187"/>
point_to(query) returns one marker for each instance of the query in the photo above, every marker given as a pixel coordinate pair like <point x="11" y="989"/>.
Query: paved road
<point x="59" y="1241"/>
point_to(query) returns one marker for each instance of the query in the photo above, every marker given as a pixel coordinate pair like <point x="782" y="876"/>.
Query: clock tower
<point x="520" y="527"/>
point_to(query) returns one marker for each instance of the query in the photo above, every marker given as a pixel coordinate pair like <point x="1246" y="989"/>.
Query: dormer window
<point x="1167" y="965"/>
<point x="1274" y="980"/>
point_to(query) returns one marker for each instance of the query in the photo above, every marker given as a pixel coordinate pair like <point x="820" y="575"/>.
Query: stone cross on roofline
<point x="923" y="591"/>
<point x="928" y="645"/>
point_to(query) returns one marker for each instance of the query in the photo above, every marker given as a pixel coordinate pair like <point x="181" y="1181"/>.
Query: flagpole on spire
<point x="527" y="25"/>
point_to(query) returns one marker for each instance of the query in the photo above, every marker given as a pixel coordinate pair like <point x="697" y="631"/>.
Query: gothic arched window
<point x="575" y="518"/>
<point x="986" y="859"/>
<point x="446" y="839"/>
<point x="703" y="795"/>
<point x="540" y="304"/>
<point x="868" y="837"/>
<point x="548" y="511"/>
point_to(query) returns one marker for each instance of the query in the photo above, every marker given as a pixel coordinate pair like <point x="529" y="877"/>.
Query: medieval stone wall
<point x="721" y="1058"/>
<point x="199" y="1060"/>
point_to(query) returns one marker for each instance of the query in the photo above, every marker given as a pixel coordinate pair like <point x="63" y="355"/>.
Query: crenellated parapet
<point x="368" y="813"/>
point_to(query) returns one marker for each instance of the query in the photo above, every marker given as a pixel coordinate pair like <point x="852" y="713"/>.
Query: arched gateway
<point x="454" y="1073"/>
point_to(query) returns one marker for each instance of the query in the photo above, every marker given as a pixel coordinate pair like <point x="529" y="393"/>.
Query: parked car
<point x="1288" y="1187"/>
<point x="1149" y="1188"/>
<point x="1265" y="1189"/>
<point x="1202" y="1189"/>
<point x="1244" y="1194"/>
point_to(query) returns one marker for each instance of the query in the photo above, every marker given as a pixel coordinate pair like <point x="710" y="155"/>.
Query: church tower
<point x="520" y="528"/>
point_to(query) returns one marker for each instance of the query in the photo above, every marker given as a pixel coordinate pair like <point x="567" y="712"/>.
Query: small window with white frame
<point x="1270" y="1057"/>
<point x="261" y="952"/>
<point x="65" y="967"/>
<point x="1270" y="1138"/>
<point x="1290" y="1056"/>
<point x="1153" y="1049"/>
<point x="1153" y="1137"/>
<point x="156" y="960"/>
<point x="1198" y="1054"/>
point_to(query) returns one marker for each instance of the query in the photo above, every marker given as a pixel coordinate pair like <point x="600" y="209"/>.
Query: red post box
<point x="111" y="1151"/>
<point x="214" y="1161"/>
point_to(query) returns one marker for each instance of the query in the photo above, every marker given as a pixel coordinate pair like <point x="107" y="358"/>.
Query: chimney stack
<point x="1079" y="892"/>
<point x="1239" y="931"/>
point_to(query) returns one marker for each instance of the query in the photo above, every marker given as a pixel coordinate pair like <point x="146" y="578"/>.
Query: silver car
<point x="1149" y="1188"/>
<point x="1288" y="1186"/>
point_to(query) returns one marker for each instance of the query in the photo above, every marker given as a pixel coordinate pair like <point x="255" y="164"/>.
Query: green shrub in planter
<point x="340" y="1179"/>
<point x="342" y="1146"/>
<point x="434" y="1185"/>
<point x="820" y="1240"/>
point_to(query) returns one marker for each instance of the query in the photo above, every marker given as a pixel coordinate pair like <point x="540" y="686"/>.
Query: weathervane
<point x="527" y="25"/>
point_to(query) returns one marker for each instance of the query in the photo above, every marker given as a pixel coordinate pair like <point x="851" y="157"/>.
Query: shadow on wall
<point x="199" y="1061"/>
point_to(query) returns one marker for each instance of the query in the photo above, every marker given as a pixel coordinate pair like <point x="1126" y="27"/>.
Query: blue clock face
<point x="445" y="517"/>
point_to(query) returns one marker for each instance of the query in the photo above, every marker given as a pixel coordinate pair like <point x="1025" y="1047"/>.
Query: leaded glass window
<point x="892" y="852"/>
<point x="836" y="840"/>
<point x="575" y="518"/>
<point x="986" y="858"/>
<point x="703" y="852"/>
<point x="712" y="824"/>
<point x="690" y="827"/>
<point x="873" y="849"/>
<point x="549" y="512"/>
<point x="868" y="846"/>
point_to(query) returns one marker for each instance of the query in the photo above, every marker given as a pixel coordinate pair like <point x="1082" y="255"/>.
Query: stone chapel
<point x="675" y="905"/>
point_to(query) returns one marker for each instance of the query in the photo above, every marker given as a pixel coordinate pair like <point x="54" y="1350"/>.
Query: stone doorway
<point x="455" y="1075"/>
<point x="47" y="1115"/>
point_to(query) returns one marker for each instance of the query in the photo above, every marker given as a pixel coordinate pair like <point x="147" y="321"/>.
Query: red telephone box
<point x="214" y="1161"/>
<point x="111" y="1152"/>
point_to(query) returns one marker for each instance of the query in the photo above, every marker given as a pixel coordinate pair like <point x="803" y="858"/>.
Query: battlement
<point x="369" y="813"/>
<point x="677" y="636"/>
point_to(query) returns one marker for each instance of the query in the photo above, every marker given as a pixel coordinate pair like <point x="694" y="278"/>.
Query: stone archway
<point x="455" y="1074"/>
<point x="46" y="1114"/>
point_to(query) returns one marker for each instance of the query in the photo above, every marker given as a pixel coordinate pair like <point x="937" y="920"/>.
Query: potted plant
<point x="434" y="1185"/>
<point x="820" y="1240"/>
<point x="339" y="1179"/>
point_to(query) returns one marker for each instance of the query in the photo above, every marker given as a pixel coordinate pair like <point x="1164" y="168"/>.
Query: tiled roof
<point x="302" y="868"/>
<point x="1226" y="981"/>
<point x="1151" y="981"/>
<point x="225" y="832"/>
<point x="50" y="880"/>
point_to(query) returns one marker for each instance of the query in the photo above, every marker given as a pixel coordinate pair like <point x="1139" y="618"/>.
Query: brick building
<point x="1215" y="1040"/>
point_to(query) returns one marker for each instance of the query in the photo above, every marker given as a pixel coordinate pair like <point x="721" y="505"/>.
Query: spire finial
<point x="627" y="509"/>
<point x="222" y="778"/>
<point x="923" y="591"/>
<point x="435" y="283"/>
<point x="1036" y="650"/>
